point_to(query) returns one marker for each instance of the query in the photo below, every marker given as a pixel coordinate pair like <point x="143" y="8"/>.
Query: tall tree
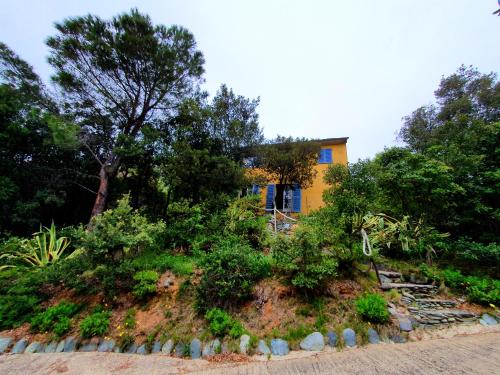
<point x="118" y="75"/>
<point x="289" y="161"/>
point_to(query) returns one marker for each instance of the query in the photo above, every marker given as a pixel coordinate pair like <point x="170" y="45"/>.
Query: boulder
<point x="211" y="348"/>
<point x="51" y="347"/>
<point x="20" y="346"/>
<point x="131" y="349"/>
<point x="489" y="320"/>
<point x="373" y="337"/>
<point x="279" y="347"/>
<point x="332" y="338"/>
<point x="397" y="339"/>
<point x="4" y="344"/>
<point x="262" y="348"/>
<point x="60" y="346"/>
<point x="244" y="344"/>
<point x="405" y="324"/>
<point x="142" y="350"/>
<point x="167" y="347"/>
<point x="88" y="347"/>
<point x="195" y="349"/>
<point x="106" y="346"/>
<point x="34" y="347"/>
<point x="156" y="347"/>
<point x="313" y="342"/>
<point x="349" y="337"/>
<point x="385" y="279"/>
<point x="70" y="344"/>
<point x="179" y="350"/>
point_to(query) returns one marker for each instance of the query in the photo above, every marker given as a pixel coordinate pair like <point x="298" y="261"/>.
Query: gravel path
<point x="474" y="354"/>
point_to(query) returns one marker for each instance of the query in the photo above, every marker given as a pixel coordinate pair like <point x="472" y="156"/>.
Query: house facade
<point x="298" y="200"/>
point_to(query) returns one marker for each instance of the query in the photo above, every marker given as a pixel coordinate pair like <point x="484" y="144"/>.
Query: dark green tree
<point x="118" y="75"/>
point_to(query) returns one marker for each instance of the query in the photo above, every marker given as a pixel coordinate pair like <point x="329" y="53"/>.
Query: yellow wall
<point x="312" y="197"/>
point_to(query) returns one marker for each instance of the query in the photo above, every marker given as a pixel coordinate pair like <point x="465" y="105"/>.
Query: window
<point x="325" y="156"/>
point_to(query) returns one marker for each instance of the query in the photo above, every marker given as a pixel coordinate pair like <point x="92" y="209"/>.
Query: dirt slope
<point x="474" y="354"/>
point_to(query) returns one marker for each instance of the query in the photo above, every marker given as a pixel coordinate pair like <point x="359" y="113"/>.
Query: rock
<point x="225" y="348"/>
<point x="70" y="344"/>
<point x="4" y="344"/>
<point x="167" y="283"/>
<point x="244" y="344"/>
<point x="195" y="349"/>
<point x="384" y="279"/>
<point x="373" y="337"/>
<point x="483" y="322"/>
<point x="405" y="324"/>
<point x="156" y="347"/>
<point x="117" y="349"/>
<point x="179" y="349"/>
<point x="88" y="347"/>
<point x="142" y="350"/>
<point x="34" y="347"/>
<point x="332" y="338"/>
<point x="60" y="346"/>
<point x="167" y="347"/>
<point x="491" y="321"/>
<point x="313" y="342"/>
<point x="279" y="347"/>
<point x="398" y="339"/>
<point x="51" y="347"/>
<point x="131" y="349"/>
<point x="19" y="346"/>
<point x="106" y="346"/>
<point x="262" y="348"/>
<point x="211" y="348"/>
<point x="349" y="337"/>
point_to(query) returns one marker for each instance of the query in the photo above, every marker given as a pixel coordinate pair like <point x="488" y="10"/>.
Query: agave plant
<point x="45" y="248"/>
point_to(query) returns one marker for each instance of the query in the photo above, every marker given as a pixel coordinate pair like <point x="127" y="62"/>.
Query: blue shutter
<point x="270" y="197"/>
<point x="255" y="189"/>
<point x="328" y="155"/>
<point x="296" y="198"/>
<point x="325" y="156"/>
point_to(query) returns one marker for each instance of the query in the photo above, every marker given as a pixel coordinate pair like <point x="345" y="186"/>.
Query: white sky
<point x="321" y="68"/>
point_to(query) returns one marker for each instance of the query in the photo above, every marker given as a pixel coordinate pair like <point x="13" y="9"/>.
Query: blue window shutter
<point x="321" y="156"/>
<point x="255" y="189"/>
<point x="328" y="155"/>
<point x="270" y="197"/>
<point x="296" y="198"/>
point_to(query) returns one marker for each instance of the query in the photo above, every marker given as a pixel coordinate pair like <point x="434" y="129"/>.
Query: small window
<point x="325" y="156"/>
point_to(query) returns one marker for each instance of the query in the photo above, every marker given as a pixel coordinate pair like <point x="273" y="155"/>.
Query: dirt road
<point x="475" y="354"/>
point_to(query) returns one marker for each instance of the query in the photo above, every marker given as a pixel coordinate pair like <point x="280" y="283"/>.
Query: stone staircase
<point x="420" y="307"/>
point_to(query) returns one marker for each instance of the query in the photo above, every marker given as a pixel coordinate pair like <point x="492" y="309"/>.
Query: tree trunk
<point x="106" y="174"/>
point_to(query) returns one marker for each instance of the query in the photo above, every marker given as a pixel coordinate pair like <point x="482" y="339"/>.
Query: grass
<point x="180" y="265"/>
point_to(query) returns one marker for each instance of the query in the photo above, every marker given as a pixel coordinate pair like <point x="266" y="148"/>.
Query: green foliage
<point x="180" y="265"/>
<point x="16" y="309"/>
<point x="221" y="324"/>
<point x="303" y="260"/>
<point x="55" y="318"/>
<point x="95" y="324"/>
<point x="119" y="233"/>
<point x="129" y="320"/>
<point x="373" y="308"/>
<point x="229" y="272"/>
<point x="44" y="249"/>
<point x="483" y="254"/>
<point x="185" y="222"/>
<point x="244" y="219"/>
<point x="145" y="283"/>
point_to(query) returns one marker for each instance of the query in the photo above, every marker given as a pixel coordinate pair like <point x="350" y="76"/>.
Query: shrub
<point x="221" y="324"/>
<point x="301" y="258"/>
<point x="119" y="233"/>
<point x="55" y="318"/>
<point x="96" y="324"/>
<point x="244" y="220"/>
<point x="373" y="308"/>
<point x="229" y="272"/>
<point x="16" y="309"/>
<point x="181" y="265"/>
<point x="145" y="283"/>
<point x="185" y="222"/>
<point x="469" y="251"/>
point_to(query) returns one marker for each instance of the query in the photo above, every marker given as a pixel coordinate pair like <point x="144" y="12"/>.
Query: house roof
<point x="332" y="141"/>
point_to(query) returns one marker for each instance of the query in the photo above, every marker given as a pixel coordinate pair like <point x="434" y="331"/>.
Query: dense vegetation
<point x="139" y="173"/>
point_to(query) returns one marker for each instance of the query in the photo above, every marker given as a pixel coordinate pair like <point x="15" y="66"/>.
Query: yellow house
<point x="333" y="150"/>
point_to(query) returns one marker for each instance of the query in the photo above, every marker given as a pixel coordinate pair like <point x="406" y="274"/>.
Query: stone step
<point x="390" y="274"/>
<point x="413" y="287"/>
<point x="430" y="317"/>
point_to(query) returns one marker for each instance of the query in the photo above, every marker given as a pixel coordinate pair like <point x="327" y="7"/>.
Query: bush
<point x="181" y="265"/>
<point x="244" y="219"/>
<point x="373" y="308"/>
<point x="145" y="283"/>
<point x="229" y="273"/>
<point x="486" y="255"/>
<point x="221" y="324"/>
<point x="15" y="310"/>
<point x="119" y="233"/>
<point x="483" y="290"/>
<point x="301" y="258"/>
<point x="55" y="318"/>
<point x="185" y="222"/>
<point x="96" y="324"/>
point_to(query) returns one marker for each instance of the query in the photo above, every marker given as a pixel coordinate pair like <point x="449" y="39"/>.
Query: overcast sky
<point x="321" y="68"/>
